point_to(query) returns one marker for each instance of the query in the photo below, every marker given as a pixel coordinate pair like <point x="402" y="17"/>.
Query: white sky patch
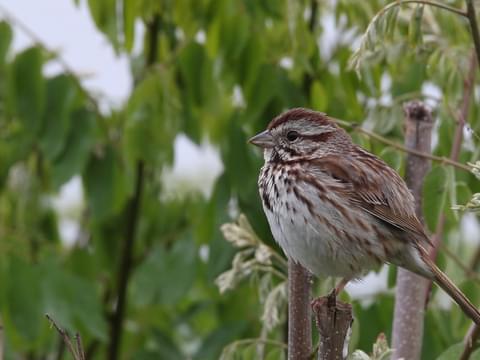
<point x="369" y="286"/>
<point x="201" y="37"/>
<point x="74" y="36"/>
<point x="470" y="229"/>
<point x="69" y="204"/>
<point x="385" y="85"/>
<point x="195" y="168"/>
<point x="433" y="94"/>
<point x="204" y="252"/>
<point x="238" y="99"/>
<point x="286" y="62"/>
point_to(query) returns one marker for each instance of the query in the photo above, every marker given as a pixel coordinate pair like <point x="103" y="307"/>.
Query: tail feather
<point x="455" y="293"/>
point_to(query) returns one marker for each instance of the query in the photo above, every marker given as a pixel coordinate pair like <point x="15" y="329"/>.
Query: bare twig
<point x="407" y="331"/>
<point x="384" y="140"/>
<point x="470" y="339"/>
<point x="472" y="20"/>
<point x="77" y="350"/>
<point x="78" y="342"/>
<point x="457" y="141"/>
<point x="334" y="320"/>
<point x="424" y="2"/>
<point x="299" y="316"/>
<point x="475" y="260"/>
<point x="468" y="271"/>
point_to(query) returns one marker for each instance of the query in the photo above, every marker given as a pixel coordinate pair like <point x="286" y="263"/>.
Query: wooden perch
<point x="407" y="331"/>
<point x="299" y="315"/>
<point x="334" y="321"/>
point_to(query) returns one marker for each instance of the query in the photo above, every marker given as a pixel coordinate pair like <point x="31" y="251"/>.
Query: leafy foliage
<point x="216" y="71"/>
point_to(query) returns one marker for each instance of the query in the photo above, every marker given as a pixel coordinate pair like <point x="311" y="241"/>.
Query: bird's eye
<point x="292" y="135"/>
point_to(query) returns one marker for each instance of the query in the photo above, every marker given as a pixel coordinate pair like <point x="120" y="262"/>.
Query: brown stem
<point x="133" y="215"/>
<point x="334" y="320"/>
<point x="77" y="349"/>
<point x="472" y="19"/>
<point x="407" y="331"/>
<point x="470" y="339"/>
<point x="457" y="142"/>
<point x="308" y="76"/>
<point x="299" y="316"/>
<point x="116" y="324"/>
<point x="455" y="152"/>
<point x="379" y="138"/>
<point x="475" y="260"/>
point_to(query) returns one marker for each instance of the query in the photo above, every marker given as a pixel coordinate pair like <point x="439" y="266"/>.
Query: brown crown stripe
<point x="298" y="114"/>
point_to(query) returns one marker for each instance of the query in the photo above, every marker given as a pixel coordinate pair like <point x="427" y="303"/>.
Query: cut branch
<point x="334" y="321"/>
<point x="407" y="331"/>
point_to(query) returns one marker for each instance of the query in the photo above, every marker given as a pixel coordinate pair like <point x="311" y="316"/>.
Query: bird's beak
<point x="263" y="140"/>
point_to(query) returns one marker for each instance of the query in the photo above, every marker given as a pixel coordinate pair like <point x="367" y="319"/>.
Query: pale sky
<point x="70" y="31"/>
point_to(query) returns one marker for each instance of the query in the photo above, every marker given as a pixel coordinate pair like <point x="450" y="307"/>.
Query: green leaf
<point x="152" y="119"/>
<point x="129" y="15"/>
<point x="24" y="301"/>
<point x="61" y="96"/>
<point x="73" y="302"/>
<point x="318" y="96"/>
<point x="74" y="156"/>
<point x="105" y="184"/>
<point x="452" y="353"/>
<point x="415" y="26"/>
<point x="104" y="14"/>
<point x="166" y="275"/>
<point x="261" y="90"/>
<point x="392" y="157"/>
<point x="5" y="40"/>
<point x="27" y="92"/>
<point x="435" y="189"/>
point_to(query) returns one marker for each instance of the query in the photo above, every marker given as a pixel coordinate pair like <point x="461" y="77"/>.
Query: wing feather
<point x="365" y="178"/>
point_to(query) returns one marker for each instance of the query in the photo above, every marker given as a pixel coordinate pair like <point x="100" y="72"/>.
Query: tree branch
<point x="133" y="216"/>
<point x="470" y="339"/>
<point x="125" y="268"/>
<point x="407" y="331"/>
<point x="299" y="316"/>
<point x="472" y="20"/>
<point x="457" y="141"/>
<point x="384" y="140"/>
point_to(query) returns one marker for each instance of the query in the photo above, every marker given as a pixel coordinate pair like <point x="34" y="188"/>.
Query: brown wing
<point x="376" y="188"/>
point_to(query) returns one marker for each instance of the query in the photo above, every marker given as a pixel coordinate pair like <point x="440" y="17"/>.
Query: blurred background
<point x="123" y="154"/>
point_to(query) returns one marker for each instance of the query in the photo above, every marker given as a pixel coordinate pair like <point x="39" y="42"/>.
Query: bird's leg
<point x="331" y="297"/>
<point x="341" y="285"/>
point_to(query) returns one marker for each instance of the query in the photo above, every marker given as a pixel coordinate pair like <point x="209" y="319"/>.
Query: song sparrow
<point x="337" y="209"/>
